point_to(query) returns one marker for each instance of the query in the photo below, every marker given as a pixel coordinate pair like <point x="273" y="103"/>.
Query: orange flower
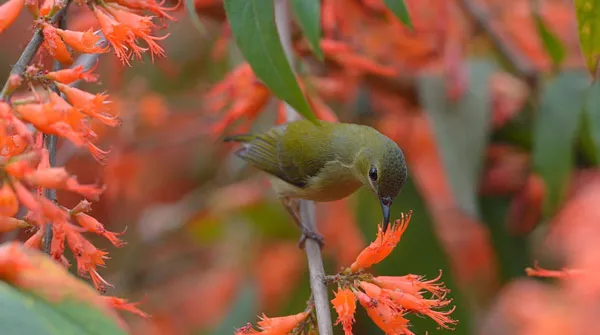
<point x="387" y="317"/>
<point x="8" y="223"/>
<point x="9" y="205"/>
<point x="412" y="284"/>
<point x="383" y="244"/>
<point x="55" y="45"/>
<point x="274" y="326"/>
<point x="95" y="106"/>
<point x="119" y="36"/>
<point x="123" y="304"/>
<point x="536" y="271"/>
<point x="68" y="76"/>
<point x="58" y="178"/>
<point x="82" y="41"/>
<point x="47" y="7"/>
<point x="88" y="257"/>
<point x="152" y="6"/>
<point x="345" y="306"/>
<point x="9" y="11"/>
<point x="406" y="301"/>
<point x="94" y="226"/>
<point x="140" y="26"/>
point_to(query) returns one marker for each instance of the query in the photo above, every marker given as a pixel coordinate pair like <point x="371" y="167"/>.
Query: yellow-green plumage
<point x="326" y="162"/>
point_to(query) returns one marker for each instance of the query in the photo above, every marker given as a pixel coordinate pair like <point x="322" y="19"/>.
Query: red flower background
<point x="182" y="227"/>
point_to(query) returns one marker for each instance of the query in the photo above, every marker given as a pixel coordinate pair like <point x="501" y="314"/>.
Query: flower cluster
<point x="249" y="97"/>
<point x="386" y="299"/>
<point x="36" y="103"/>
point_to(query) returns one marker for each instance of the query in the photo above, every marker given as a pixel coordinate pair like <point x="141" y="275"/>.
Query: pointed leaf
<point x="41" y="297"/>
<point x="308" y="16"/>
<point x="461" y="129"/>
<point x="588" y="27"/>
<point x="553" y="45"/>
<point x="398" y="7"/>
<point x="253" y="26"/>
<point x="555" y="131"/>
<point x="190" y="8"/>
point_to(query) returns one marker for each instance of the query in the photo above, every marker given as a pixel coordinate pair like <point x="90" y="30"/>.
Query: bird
<point x="325" y="161"/>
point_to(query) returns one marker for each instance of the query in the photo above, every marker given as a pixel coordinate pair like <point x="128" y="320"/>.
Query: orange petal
<point x="383" y="245"/>
<point x="9" y="11"/>
<point x="345" y="306"/>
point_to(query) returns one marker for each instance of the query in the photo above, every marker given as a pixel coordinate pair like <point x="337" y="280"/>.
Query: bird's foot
<point x="309" y="234"/>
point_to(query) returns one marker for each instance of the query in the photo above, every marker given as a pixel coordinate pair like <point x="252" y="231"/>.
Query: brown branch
<point x="30" y="50"/>
<point x="307" y="208"/>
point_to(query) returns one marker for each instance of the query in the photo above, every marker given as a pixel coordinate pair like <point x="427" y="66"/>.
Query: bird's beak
<point x="386" y="202"/>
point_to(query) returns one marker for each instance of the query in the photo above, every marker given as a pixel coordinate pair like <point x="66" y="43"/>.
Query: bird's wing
<point x="293" y="159"/>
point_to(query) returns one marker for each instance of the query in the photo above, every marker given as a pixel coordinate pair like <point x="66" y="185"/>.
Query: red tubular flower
<point x="413" y="284"/>
<point x="88" y="257"/>
<point x="94" y="105"/>
<point x="9" y="11"/>
<point x="386" y="316"/>
<point x="274" y="326"/>
<point x="156" y="8"/>
<point x="405" y="301"/>
<point x="345" y="306"/>
<point x="55" y="45"/>
<point x="9" y="205"/>
<point x="140" y="26"/>
<point x="124" y="305"/>
<point x="68" y="76"/>
<point x="94" y="226"/>
<point x="121" y="38"/>
<point x="82" y="41"/>
<point x="8" y="223"/>
<point x="379" y="249"/>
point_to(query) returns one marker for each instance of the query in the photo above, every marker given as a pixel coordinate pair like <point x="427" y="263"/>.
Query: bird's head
<point x="384" y="172"/>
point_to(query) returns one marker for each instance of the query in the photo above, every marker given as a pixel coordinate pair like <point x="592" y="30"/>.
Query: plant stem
<point x="30" y="50"/>
<point x="307" y="208"/>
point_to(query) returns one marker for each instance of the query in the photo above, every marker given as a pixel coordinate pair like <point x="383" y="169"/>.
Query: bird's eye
<point x="373" y="174"/>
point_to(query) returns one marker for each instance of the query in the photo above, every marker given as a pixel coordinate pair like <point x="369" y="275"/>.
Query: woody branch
<point x="307" y="208"/>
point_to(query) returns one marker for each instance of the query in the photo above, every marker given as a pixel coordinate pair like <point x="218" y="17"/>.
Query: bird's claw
<point x="308" y="234"/>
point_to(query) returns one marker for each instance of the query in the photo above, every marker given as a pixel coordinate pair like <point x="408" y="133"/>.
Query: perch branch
<point x="307" y="208"/>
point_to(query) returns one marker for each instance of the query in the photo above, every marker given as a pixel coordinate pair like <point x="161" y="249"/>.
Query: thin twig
<point x="30" y="51"/>
<point x="518" y="60"/>
<point x="307" y="208"/>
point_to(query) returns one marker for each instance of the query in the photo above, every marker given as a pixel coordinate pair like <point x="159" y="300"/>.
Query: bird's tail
<point x="239" y="138"/>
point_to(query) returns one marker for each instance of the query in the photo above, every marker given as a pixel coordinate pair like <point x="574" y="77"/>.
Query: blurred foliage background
<point x="490" y="101"/>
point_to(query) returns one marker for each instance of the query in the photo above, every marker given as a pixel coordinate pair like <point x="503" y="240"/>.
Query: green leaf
<point x="553" y="45"/>
<point x="46" y="299"/>
<point x="253" y="26"/>
<point x="190" y="8"/>
<point x="555" y="131"/>
<point x="461" y="129"/>
<point x="25" y="313"/>
<point x="593" y="118"/>
<point x="398" y="7"/>
<point x="588" y="27"/>
<point x="308" y="16"/>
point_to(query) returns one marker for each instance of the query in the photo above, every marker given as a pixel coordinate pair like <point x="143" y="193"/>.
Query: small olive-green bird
<point x="326" y="162"/>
